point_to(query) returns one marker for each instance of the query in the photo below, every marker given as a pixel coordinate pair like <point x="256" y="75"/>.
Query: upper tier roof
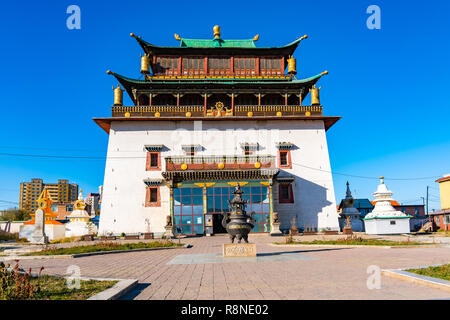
<point x="209" y="43"/>
<point x="218" y="46"/>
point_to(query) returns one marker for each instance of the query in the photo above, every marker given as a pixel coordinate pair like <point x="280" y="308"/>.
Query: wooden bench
<point x="131" y="237"/>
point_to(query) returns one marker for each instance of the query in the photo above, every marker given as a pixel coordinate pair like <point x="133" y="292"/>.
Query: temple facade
<point x="207" y="115"/>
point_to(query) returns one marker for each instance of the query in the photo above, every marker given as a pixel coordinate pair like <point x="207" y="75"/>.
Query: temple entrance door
<point x="217" y="223"/>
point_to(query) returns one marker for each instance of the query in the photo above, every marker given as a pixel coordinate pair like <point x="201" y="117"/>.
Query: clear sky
<point x="390" y="85"/>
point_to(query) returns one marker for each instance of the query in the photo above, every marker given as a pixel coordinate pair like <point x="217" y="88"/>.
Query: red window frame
<point x="149" y="167"/>
<point x="149" y="203"/>
<point x="288" y="158"/>
<point x="290" y="198"/>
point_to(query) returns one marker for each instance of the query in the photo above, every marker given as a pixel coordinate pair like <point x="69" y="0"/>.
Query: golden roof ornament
<point x="177" y="37"/>
<point x="315" y="95"/>
<point x="118" y="95"/>
<point x="145" y="64"/>
<point x="292" y="66"/>
<point x="256" y="38"/>
<point x="216" y="30"/>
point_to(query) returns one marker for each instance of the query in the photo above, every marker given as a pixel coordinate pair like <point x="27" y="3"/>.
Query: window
<point x="188" y="210"/>
<point x="152" y="198"/>
<point x="153" y="161"/>
<point x="244" y="66"/>
<point x="284" y="159"/>
<point x="218" y="66"/>
<point x="193" y="66"/>
<point x="167" y="65"/>
<point x="392" y="222"/>
<point x="247" y="151"/>
<point x="447" y="219"/>
<point x="285" y="193"/>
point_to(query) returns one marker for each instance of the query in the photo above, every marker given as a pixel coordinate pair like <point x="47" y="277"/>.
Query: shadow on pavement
<point x="299" y="251"/>
<point x="130" y="295"/>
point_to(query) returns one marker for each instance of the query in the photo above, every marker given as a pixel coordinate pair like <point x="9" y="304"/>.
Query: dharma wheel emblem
<point x="219" y="108"/>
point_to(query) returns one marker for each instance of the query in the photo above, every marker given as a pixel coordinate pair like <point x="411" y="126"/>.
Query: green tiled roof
<point x="210" y="43"/>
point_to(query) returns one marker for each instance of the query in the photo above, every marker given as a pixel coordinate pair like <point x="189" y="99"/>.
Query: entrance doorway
<point x="217" y="223"/>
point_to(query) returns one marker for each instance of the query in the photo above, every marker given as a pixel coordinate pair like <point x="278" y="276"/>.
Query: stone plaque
<point x="39" y="228"/>
<point x="239" y="250"/>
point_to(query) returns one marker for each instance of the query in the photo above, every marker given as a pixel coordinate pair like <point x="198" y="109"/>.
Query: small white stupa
<point x="79" y="224"/>
<point x="384" y="219"/>
<point x="350" y="213"/>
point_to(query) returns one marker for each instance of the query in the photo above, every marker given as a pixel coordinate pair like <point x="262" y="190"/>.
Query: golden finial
<point x="255" y="38"/>
<point x="216" y="30"/>
<point x="109" y="72"/>
<point x="177" y="37"/>
<point x="304" y="37"/>
<point x="382" y="180"/>
<point x="325" y="72"/>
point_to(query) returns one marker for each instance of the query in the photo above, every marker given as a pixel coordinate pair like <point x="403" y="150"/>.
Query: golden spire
<point x="216" y="30"/>
<point x="45" y="201"/>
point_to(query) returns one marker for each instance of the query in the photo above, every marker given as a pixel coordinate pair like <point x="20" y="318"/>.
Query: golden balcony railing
<point x="212" y="111"/>
<point x="231" y="162"/>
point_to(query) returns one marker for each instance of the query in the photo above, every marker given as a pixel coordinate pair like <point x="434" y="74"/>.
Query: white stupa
<point x="348" y="211"/>
<point x="384" y="219"/>
<point x="79" y="224"/>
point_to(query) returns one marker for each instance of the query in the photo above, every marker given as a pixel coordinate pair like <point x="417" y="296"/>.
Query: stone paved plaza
<point x="279" y="272"/>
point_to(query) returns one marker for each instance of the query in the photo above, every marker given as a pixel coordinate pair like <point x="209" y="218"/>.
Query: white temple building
<point x="384" y="219"/>
<point x="207" y="115"/>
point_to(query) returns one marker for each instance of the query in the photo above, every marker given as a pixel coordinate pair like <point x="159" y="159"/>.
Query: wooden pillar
<point x="178" y="99"/>
<point x="259" y="99"/>
<point x="300" y="99"/>
<point x="180" y="61"/>
<point x="205" y="67"/>
<point x="150" y="97"/>
<point x="285" y="99"/>
<point x="257" y="66"/>
<point x="270" y="204"/>
<point x="171" y="202"/>
<point x="204" y="105"/>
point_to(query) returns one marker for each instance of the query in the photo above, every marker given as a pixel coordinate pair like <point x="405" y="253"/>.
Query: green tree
<point x="15" y="215"/>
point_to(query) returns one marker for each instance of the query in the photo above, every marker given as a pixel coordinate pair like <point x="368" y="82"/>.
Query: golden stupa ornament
<point x="45" y="201"/>
<point x="216" y="30"/>
<point x="80" y="204"/>
<point x="315" y="95"/>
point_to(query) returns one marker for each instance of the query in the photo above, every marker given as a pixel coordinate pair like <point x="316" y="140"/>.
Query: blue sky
<point x="390" y="85"/>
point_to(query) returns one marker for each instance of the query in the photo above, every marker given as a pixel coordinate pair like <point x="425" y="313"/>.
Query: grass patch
<point x="441" y="272"/>
<point x="355" y="240"/>
<point x="15" y="285"/>
<point x="103" y="246"/>
<point x="55" y="288"/>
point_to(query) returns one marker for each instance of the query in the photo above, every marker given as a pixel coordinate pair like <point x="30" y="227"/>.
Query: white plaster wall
<point x="383" y="226"/>
<point x="123" y="199"/>
<point x="14" y="228"/>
